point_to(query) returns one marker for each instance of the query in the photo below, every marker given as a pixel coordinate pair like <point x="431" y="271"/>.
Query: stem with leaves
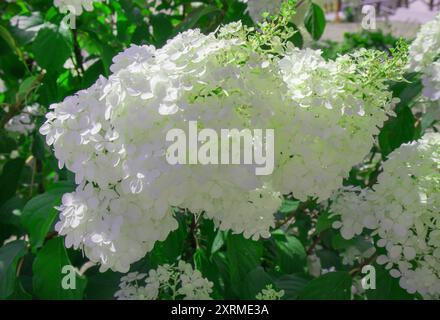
<point x="16" y="108"/>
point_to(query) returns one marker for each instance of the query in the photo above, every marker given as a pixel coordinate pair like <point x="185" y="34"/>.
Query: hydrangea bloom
<point x="75" y="6"/>
<point x="424" y="53"/>
<point x="112" y="136"/>
<point x="269" y="293"/>
<point x="165" y="282"/>
<point x="24" y="122"/>
<point x="431" y="82"/>
<point x="402" y="209"/>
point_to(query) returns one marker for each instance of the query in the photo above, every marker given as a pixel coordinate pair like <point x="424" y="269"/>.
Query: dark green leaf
<point x="39" y="214"/>
<point x="398" y="130"/>
<point x="9" y="256"/>
<point x="162" y="29"/>
<point x="243" y="255"/>
<point x="169" y="250"/>
<point x="11" y="210"/>
<point x="10" y="177"/>
<point x="324" y="222"/>
<point x="102" y="286"/>
<point x="314" y="21"/>
<point x="297" y="39"/>
<point x="339" y="243"/>
<point x="7" y="144"/>
<point x="290" y="254"/>
<point x="255" y="281"/>
<point x="330" y="286"/>
<point x="208" y="268"/>
<point x="19" y="293"/>
<point x="292" y="284"/>
<point x="195" y="15"/>
<point x="48" y="273"/>
<point x="52" y="47"/>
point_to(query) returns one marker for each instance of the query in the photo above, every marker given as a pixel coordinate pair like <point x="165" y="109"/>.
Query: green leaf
<point x="7" y="144"/>
<point x="218" y="242"/>
<point x="38" y="146"/>
<point x="10" y="177"/>
<point x="25" y="28"/>
<point x="9" y="256"/>
<point x="292" y="284"/>
<point x="402" y="128"/>
<point x="407" y="91"/>
<point x="39" y="214"/>
<point x="208" y="268"/>
<point x="92" y="73"/>
<point x="52" y="47"/>
<point x="290" y="254"/>
<point x="339" y="243"/>
<point x="330" y="286"/>
<point x="10" y="211"/>
<point x="48" y="276"/>
<point x="255" y="281"/>
<point x="288" y="206"/>
<point x="169" y="250"/>
<point x="324" y="222"/>
<point x="19" y="293"/>
<point x="243" y="256"/>
<point x="297" y="39"/>
<point x="387" y="287"/>
<point x="26" y="85"/>
<point x="162" y="29"/>
<point x="398" y="130"/>
<point x="193" y="18"/>
<point x="6" y="35"/>
<point x="102" y="286"/>
<point x="314" y="21"/>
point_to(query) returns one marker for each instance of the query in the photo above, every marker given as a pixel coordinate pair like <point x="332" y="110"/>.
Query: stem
<point x="313" y="245"/>
<point x="292" y="214"/>
<point x="77" y="52"/>
<point x="193" y="234"/>
<point x="356" y="270"/>
<point x="34" y="169"/>
<point x="16" y="108"/>
<point x="50" y="236"/>
<point x="19" y="266"/>
<point x="86" y="266"/>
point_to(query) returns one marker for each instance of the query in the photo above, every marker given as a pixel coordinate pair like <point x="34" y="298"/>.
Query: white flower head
<point x="402" y="210"/>
<point x="112" y="136"/>
<point x="166" y="282"/>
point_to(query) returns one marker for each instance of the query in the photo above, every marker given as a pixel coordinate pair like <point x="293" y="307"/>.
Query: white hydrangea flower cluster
<point x="403" y="210"/>
<point x="113" y="137"/>
<point x="24" y="122"/>
<point x="431" y="82"/>
<point x="424" y="56"/>
<point x="166" y="282"/>
<point x="269" y="293"/>
<point x="75" y="7"/>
